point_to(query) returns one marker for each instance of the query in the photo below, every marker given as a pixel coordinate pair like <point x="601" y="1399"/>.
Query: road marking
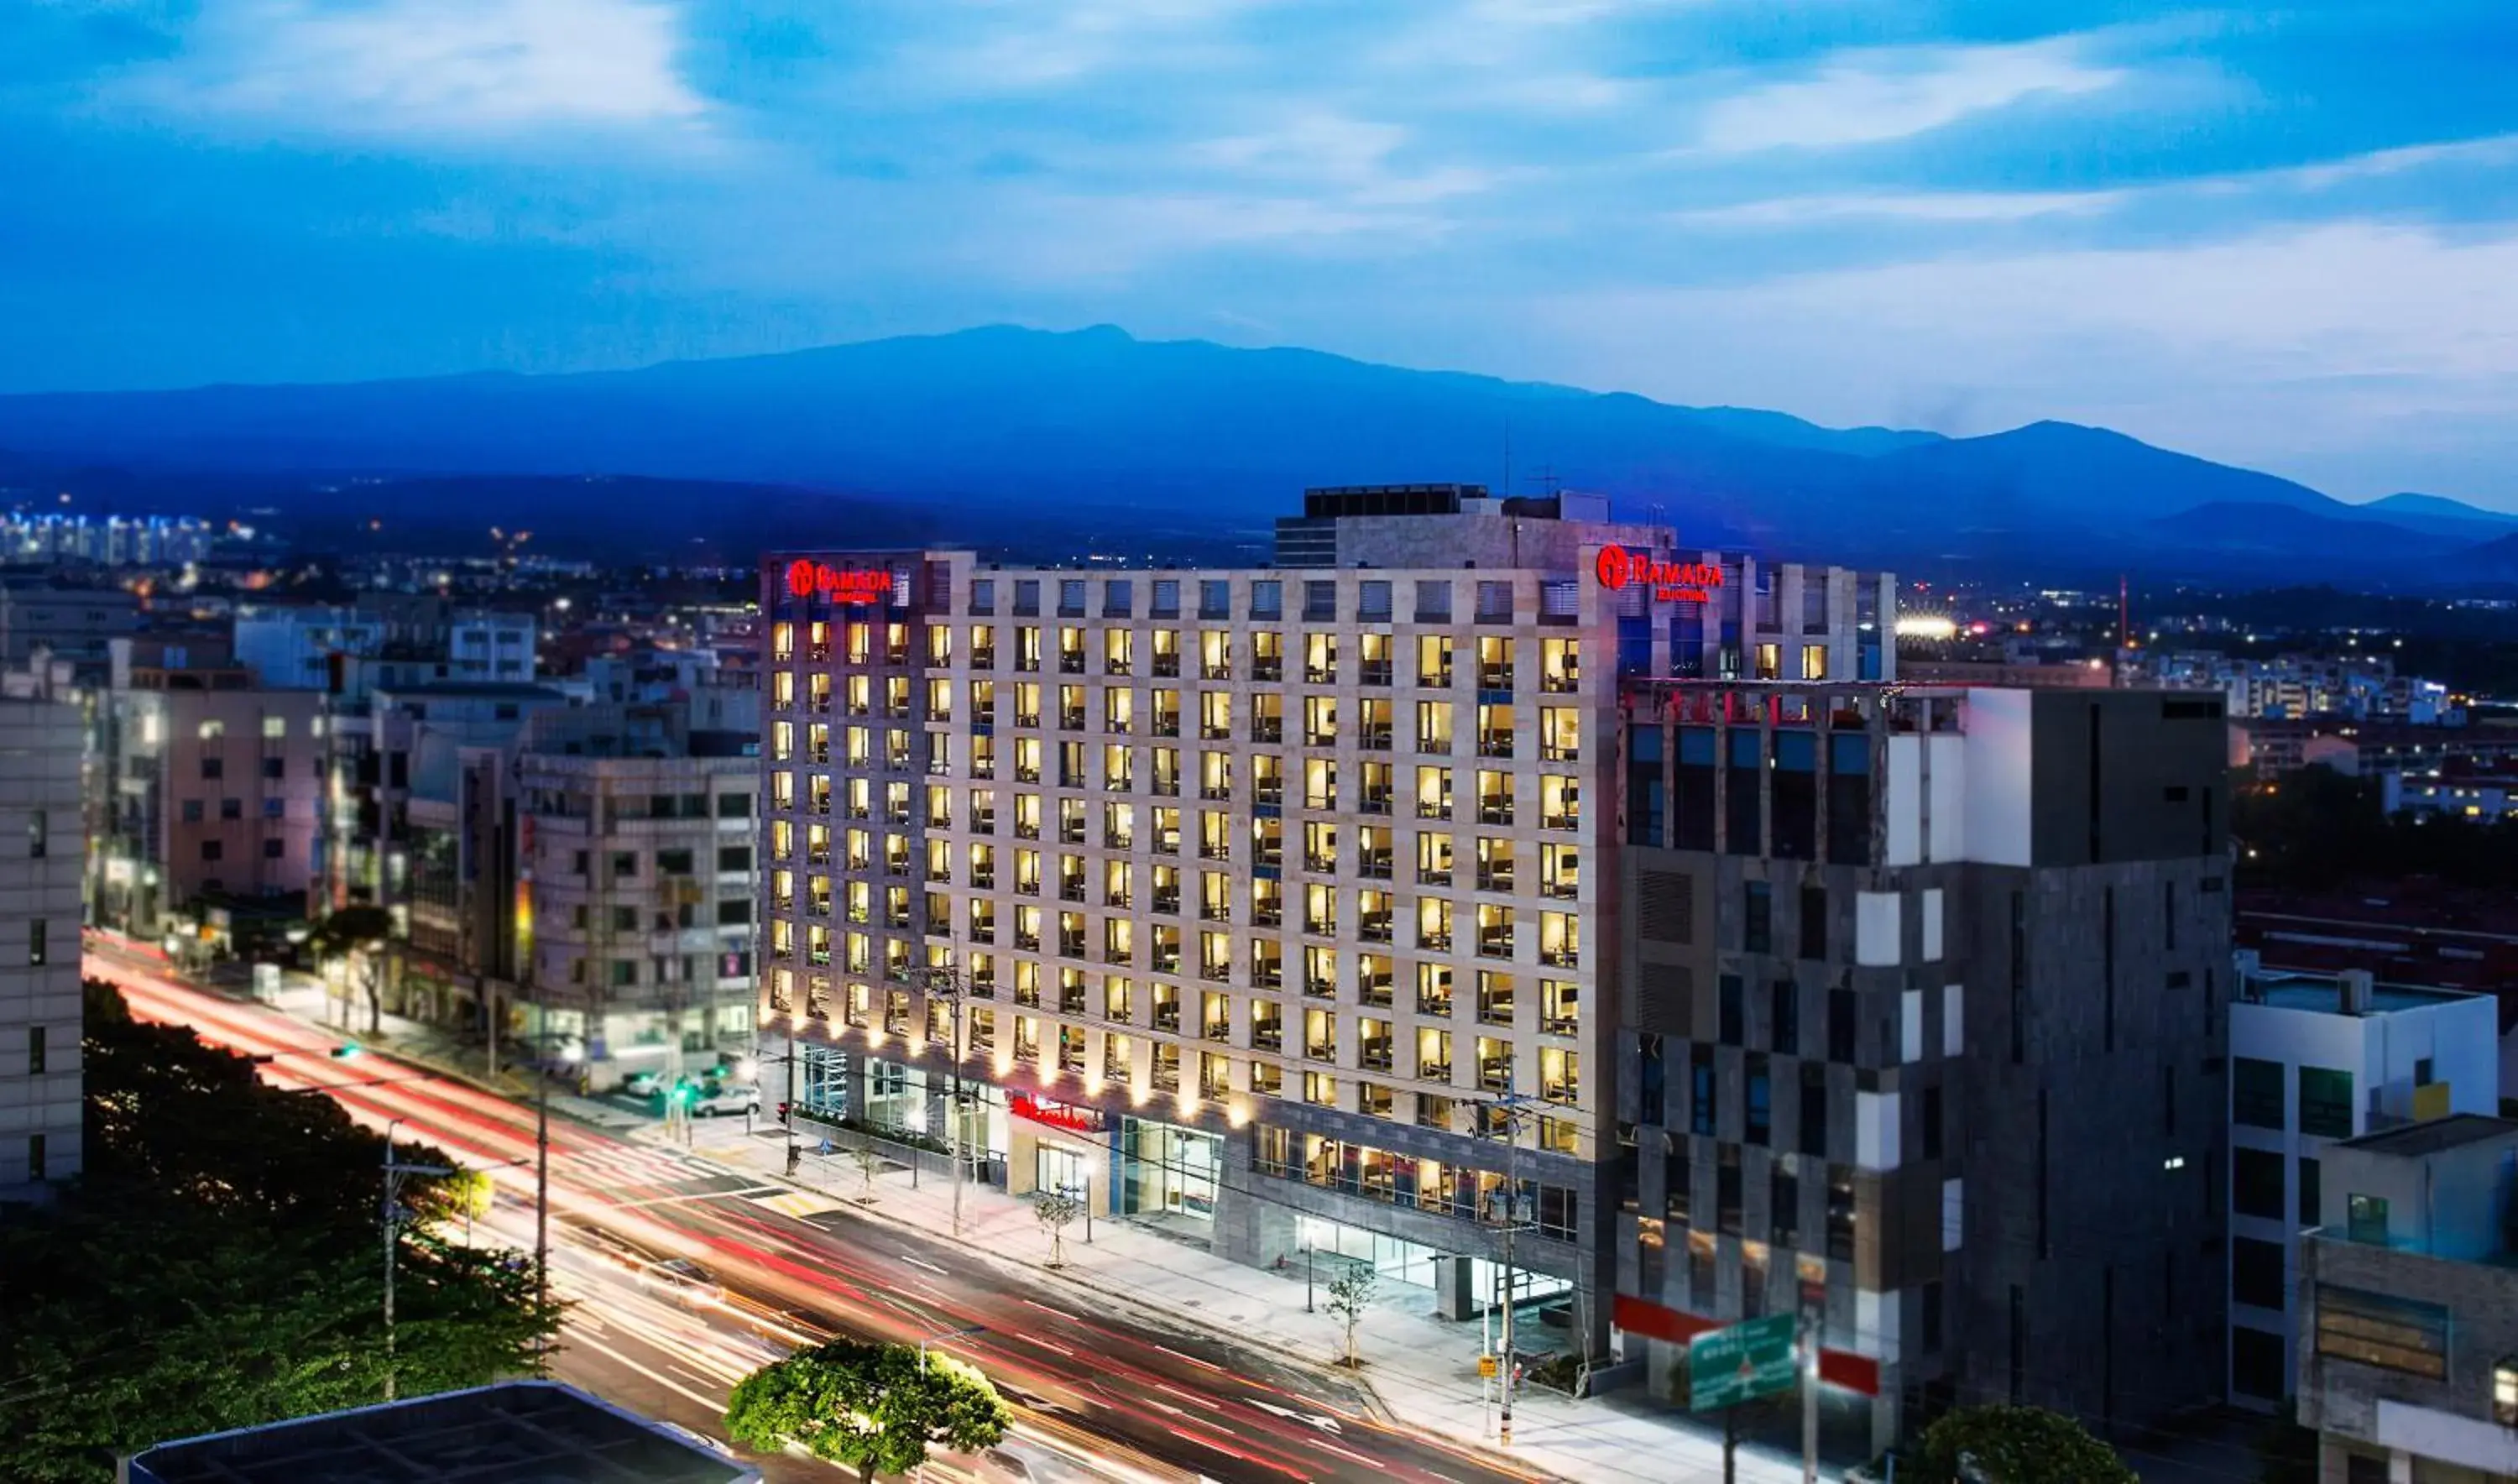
<point x="1208" y="1402"/>
<point x="1194" y="1360"/>
<point x="804" y="1205"/>
<point x="1046" y="1309"/>
<point x="1323" y="1423"/>
<point x="923" y="1263"/>
<point x="1045" y="1344"/>
<point x="1357" y="1456"/>
<point x="710" y="1402"/>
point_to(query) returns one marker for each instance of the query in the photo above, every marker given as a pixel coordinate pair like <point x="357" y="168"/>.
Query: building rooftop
<point x="2431" y="1136"/>
<point x="2325" y="996"/>
<point x="484" y="690"/>
<point x="517" y="1432"/>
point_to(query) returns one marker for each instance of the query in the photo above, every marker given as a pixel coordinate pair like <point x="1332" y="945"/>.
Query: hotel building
<point x="1275" y="904"/>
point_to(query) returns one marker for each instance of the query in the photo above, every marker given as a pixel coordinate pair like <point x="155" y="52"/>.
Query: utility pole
<point x="1810" y="1317"/>
<point x="794" y="1154"/>
<point x="394" y="1173"/>
<point x="1511" y="1108"/>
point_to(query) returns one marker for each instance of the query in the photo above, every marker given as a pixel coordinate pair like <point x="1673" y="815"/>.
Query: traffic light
<point x="345" y="1051"/>
<point x="686" y="1092"/>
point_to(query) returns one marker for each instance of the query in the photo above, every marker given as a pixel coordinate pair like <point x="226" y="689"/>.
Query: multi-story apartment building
<point x="2315" y="1059"/>
<point x="209" y="787"/>
<point x="1920" y="1033"/>
<point x="1264" y="902"/>
<point x="74" y="623"/>
<point x="41" y="848"/>
<point x="2408" y="1290"/>
<point x="642" y="887"/>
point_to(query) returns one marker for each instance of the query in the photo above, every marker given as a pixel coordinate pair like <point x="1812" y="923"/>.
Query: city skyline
<point x="2283" y="241"/>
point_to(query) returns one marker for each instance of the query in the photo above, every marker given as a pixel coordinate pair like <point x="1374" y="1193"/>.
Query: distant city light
<point x="1926" y="626"/>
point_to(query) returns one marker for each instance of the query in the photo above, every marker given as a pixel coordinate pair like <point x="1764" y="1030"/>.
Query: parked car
<point x="714" y="1099"/>
<point x="643" y="1084"/>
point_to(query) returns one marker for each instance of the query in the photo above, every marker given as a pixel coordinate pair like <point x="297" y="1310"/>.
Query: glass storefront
<point x="1058" y="1167"/>
<point x="1413" y="1262"/>
<point x="1168" y="1170"/>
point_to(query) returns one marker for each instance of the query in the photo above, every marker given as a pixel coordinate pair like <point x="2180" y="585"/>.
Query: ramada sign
<point x="1670" y="582"/>
<point x="852" y="585"/>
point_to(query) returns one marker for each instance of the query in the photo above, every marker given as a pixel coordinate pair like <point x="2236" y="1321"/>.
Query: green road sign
<point x="1747" y="1360"/>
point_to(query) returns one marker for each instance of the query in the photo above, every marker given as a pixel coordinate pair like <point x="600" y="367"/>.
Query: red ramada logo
<point x="1670" y="582"/>
<point x="852" y="585"/>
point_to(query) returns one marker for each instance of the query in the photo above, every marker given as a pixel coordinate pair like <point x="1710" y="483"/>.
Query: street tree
<point x="1350" y="1294"/>
<point x="216" y="1266"/>
<point x="1057" y="1210"/>
<point x="869" y="1163"/>
<point x="2000" y="1444"/>
<point x="360" y="934"/>
<point x="875" y="1408"/>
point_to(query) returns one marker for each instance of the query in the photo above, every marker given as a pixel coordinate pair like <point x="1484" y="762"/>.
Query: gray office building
<point x="1920" y="1029"/>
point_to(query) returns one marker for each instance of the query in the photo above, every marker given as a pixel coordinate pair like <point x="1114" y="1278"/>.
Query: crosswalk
<point x="636" y="1165"/>
<point x="804" y="1205"/>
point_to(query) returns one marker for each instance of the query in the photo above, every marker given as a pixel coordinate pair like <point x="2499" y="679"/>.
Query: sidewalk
<point x="432" y="1048"/>
<point x="1422" y="1372"/>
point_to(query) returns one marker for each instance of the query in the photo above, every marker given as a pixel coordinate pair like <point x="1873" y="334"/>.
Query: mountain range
<point x="971" y="434"/>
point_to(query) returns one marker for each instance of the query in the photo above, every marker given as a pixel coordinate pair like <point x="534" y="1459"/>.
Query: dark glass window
<point x="1731" y="1030"/>
<point x="1757" y="918"/>
<point x="1813" y="923"/>
<point x="2257" y="1094"/>
<point x="2256" y="1272"/>
<point x="2326" y="1103"/>
<point x="1786" y="1016"/>
<point x="2256" y="1182"/>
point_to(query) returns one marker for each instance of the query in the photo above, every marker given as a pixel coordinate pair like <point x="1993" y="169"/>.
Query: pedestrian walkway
<point x="433" y="1047"/>
<point x="1423" y="1371"/>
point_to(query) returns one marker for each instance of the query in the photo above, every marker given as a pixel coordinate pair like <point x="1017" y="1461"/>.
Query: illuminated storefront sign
<point x="1670" y="582"/>
<point x="852" y="584"/>
<point x="1066" y="1115"/>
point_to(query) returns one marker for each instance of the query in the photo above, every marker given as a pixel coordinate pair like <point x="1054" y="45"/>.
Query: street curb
<point x="1378" y="1410"/>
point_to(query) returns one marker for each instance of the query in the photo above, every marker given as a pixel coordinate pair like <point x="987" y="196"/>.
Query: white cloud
<point x="1871" y="95"/>
<point x="1917" y="206"/>
<point x="441" y="67"/>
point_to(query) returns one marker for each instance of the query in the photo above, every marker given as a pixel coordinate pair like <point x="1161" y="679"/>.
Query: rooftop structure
<point x="517" y="1432"/>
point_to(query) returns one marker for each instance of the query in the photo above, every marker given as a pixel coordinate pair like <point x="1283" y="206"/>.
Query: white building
<point x="296" y="647"/>
<point x="1259" y="885"/>
<point x="2316" y="1059"/>
<point x="42" y="859"/>
<point x="2482" y="792"/>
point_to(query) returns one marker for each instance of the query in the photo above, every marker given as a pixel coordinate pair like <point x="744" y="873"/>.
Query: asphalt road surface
<point x="1101" y="1395"/>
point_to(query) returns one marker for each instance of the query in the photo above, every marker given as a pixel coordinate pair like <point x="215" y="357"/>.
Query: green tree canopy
<point x="876" y="1408"/>
<point x="2017" y="1445"/>
<point x="216" y="1266"/>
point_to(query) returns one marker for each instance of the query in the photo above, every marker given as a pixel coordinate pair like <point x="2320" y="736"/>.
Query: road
<point x="1143" y="1402"/>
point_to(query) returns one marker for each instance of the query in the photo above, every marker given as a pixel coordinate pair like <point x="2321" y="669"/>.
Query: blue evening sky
<point x="2284" y="236"/>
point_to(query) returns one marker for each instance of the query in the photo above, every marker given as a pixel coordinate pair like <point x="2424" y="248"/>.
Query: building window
<point x="2504" y="1393"/>
<point x="2326" y="1103"/>
<point x="38" y="947"/>
<point x="2366" y="1219"/>
<point x="2310" y="1194"/>
<point x="2256" y="1183"/>
<point x="39" y="834"/>
<point x="2257" y="1366"/>
<point x="2257" y="1094"/>
<point x="1757" y="931"/>
<point x="34" y="1157"/>
<point x="2257" y="1273"/>
<point x="35" y="1047"/>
